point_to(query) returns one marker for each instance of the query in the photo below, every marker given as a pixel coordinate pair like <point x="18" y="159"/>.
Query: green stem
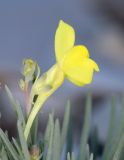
<point x="27" y="98"/>
<point x="37" y="106"/>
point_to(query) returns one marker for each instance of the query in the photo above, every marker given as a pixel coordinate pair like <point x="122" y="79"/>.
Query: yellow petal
<point x="64" y="39"/>
<point x="76" y="53"/>
<point x="78" y="68"/>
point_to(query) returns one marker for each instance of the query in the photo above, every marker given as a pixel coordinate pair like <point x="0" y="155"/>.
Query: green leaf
<point x="46" y="138"/>
<point x="57" y="141"/>
<point x="115" y="147"/>
<point x="34" y="130"/>
<point x="120" y="145"/>
<point x="73" y="156"/>
<point x="86" y="128"/>
<point x="94" y="141"/>
<point x="91" y="156"/>
<point x="17" y="147"/>
<point x="23" y="142"/>
<point x="3" y="154"/>
<point x="65" y="125"/>
<point x="69" y="139"/>
<point x="50" y="142"/>
<point x="16" y="106"/>
<point x="87" y="152"/>
<point x="8" y="145"/>
<point x="107" y="153"/>
<point x="48" y="128"/>
<point x="68" y="156"/>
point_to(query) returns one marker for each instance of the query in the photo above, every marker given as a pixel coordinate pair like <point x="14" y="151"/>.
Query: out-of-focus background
<point x="27" y="29"/>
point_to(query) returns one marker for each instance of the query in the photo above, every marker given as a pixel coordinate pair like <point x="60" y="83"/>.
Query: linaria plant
<point x="72" y="62"/>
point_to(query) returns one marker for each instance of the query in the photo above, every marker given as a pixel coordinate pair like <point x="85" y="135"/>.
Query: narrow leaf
<point x="16" y="106"/>
<point x="86" y="128"/>
<point x="87" y="152"/>
<point x="9" y="145"/>
<point x="34" y="130"/>
<point x="56" y="141"/>
<point x="17" y="147"/>
<point x="73" y="156"/>
<point x="65" y="124"/>
<point x="91" y="157"/>
<point x="3" y="154"/>
<point x="50" y="142"/>
<point x="46" y="138"/>
<point x="23" y="142"/>
<point x="68" y="156"/>
<point x="107" y="153"/>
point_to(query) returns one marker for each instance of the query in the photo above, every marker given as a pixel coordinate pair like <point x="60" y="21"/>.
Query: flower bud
<point x="29" y="67"/>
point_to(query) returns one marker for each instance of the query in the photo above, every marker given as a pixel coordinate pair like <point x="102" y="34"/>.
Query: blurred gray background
<point x="27" y="29"/>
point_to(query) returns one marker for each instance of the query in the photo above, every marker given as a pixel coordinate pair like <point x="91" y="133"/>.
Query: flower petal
<point x="64" y="39"/>
<point x="78" y="68"/>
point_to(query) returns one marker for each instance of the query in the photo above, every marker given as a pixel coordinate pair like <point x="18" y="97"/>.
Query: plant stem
<point x="32" y="116"/>
<point x="37" y="106"/>
<point x="26" y="93"/>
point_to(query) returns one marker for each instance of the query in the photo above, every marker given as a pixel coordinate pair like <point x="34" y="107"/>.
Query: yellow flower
<point x="73" y="60"/>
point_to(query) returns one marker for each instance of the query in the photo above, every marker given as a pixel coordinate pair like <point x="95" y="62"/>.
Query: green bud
<point x="29" y="67"/>
<point x="22" y="84"/>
